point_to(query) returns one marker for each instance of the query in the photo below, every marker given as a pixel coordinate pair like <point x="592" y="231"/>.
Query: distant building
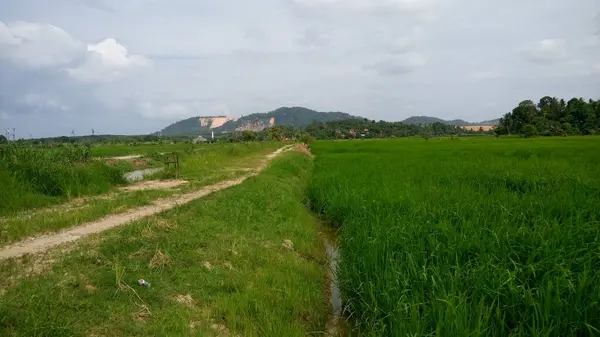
<point x="479" y="127"/>
<point x="199" y="139"/>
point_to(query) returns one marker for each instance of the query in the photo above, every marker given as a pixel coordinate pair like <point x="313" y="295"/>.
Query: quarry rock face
<point x="253" y="126"/>
<point x="257" y="125"/>
<point x="215" y="122"/>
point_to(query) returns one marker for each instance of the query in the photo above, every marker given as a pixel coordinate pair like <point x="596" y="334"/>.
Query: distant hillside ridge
<point x="297" y="117"/>
<point x="415" y="120"/>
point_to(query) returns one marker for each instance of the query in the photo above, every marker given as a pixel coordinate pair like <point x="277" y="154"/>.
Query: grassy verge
<point x="217" y="266"/>
<point x="209" y="159"/>
<point x="32" y="177"/>
<point x="200" y="168"/>
<point x="138" y="149"/>
<point x="477" y="237"/>
<point x="18" y="227"/>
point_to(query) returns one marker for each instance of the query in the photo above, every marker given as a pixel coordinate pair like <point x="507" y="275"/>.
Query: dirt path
<point x="132" y="156"/>
<point x="42" y="243"/>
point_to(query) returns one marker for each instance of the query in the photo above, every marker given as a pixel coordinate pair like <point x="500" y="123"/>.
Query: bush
<point x="33" y="177"/>
<point x="529" y="131"/>
<point x="307" y="138"/>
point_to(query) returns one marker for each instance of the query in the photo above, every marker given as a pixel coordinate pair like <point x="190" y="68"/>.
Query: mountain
<point x="459" y="122"/>
<point x="296" y="116"/>
<point x="490" y="122"/>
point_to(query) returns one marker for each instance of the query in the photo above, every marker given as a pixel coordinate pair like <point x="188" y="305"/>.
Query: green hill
<point x="416" y="120"/>
<point x="190" y="126"/>
<point x="297" y="117"/>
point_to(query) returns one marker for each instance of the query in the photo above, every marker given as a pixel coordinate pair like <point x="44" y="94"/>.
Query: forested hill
<point x="426" y="120"/>
<point x="296" y="117"/>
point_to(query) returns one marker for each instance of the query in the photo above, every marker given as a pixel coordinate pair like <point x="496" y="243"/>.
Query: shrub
<point x="529" y="131"/>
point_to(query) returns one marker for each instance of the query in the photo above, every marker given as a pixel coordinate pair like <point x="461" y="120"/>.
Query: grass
<point x="206" y="160"/>
<point x="216" y="267"/>
<point x="22" y="214"/>
<point x="52" y="219"/>
<point x="476" y="237"/>
<point x="139" y="149"/>
<point x="33" y="177"/>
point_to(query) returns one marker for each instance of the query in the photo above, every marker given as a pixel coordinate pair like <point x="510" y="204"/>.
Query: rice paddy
<point x="469" y="237"/>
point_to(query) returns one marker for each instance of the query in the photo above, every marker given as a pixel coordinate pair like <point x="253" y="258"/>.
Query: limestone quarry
<point x="215" y="122"/>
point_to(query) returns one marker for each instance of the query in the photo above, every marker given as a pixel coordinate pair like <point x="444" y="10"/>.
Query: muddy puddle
<point x="140" y="174"/>
<point x="336" y="324"/>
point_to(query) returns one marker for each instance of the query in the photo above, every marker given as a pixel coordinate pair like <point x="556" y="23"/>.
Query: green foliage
<point x="294" y="117"/>
<point x="36" y="177"/>
<point x="255" y="287"/>
<point x="422" y="120"/>
<point x="465" y="238"/>
<point x="306" y="138"/>
<point x="190" y="126"/>
<point x="529" y="130"/>
<point x="3" y="139"/>
<point x="553" y="117"/>
<point x="364" y="128"/>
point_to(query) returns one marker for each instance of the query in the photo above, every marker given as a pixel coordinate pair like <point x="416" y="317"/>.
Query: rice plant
<point x="478" y="237"/>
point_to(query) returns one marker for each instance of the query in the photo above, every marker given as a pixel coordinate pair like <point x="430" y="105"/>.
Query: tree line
<point x="552" y="117"/>
<point x="353" y="128"/>
<point x="365" y="128"/>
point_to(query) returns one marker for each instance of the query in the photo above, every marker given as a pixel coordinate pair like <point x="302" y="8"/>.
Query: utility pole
<point x="93" y="132"/>
<point x="13" y="134"/>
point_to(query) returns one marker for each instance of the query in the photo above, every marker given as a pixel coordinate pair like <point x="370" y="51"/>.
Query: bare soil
<point x="154" y="185"/>
<point x="133" y="156"/>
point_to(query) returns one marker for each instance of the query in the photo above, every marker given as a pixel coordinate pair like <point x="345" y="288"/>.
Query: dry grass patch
<point x="165" y="225"/>
<point x="142" y="315"/>
<point x="304" y="149"/>
<point x="220" y="329"/>
<point x="160" y="260"/>
<point x="154" y="185"/>
<point x="186" y="300"/>
<point x="228" y="265"/>
<point x="288" y="244"/>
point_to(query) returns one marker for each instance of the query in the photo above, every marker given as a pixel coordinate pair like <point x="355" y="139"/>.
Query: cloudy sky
<point x="134" y="66"/>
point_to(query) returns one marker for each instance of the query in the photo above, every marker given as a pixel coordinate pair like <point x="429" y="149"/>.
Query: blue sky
<point x="134" y="66"/>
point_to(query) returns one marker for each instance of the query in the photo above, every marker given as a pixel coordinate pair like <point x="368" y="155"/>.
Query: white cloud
<point x="107" y="61"/>
<point x="35" y="46"/>
<point x="398" y="64"/>
<point x="259" y="55"/>
<point x="401" y="45"/>
<point x="168" y="111"/>
<point x="313" y="38"/>
<point x="361" y="5"/>
<point x="597" y="67"/>
<point x="171" y="111"/>
<point x="487" y="74"/>
<point x="41" y="101"/>
<point x="38" y="45"/>
<point x="546" y="51"/>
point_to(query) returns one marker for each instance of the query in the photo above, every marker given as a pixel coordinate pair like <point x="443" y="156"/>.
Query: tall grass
<point x="33" y="177"/>
<point x="252" y="286"/>
<point x="478" y="237"/>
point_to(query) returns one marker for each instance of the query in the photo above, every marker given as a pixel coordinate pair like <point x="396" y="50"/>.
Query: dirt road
<point x="42" y="243"/>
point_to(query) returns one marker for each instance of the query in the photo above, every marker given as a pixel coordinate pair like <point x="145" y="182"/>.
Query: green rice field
<point x="467" y="237"/>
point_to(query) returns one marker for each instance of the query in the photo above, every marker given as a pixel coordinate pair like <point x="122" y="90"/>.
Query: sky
<point x="135" y="66"/>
